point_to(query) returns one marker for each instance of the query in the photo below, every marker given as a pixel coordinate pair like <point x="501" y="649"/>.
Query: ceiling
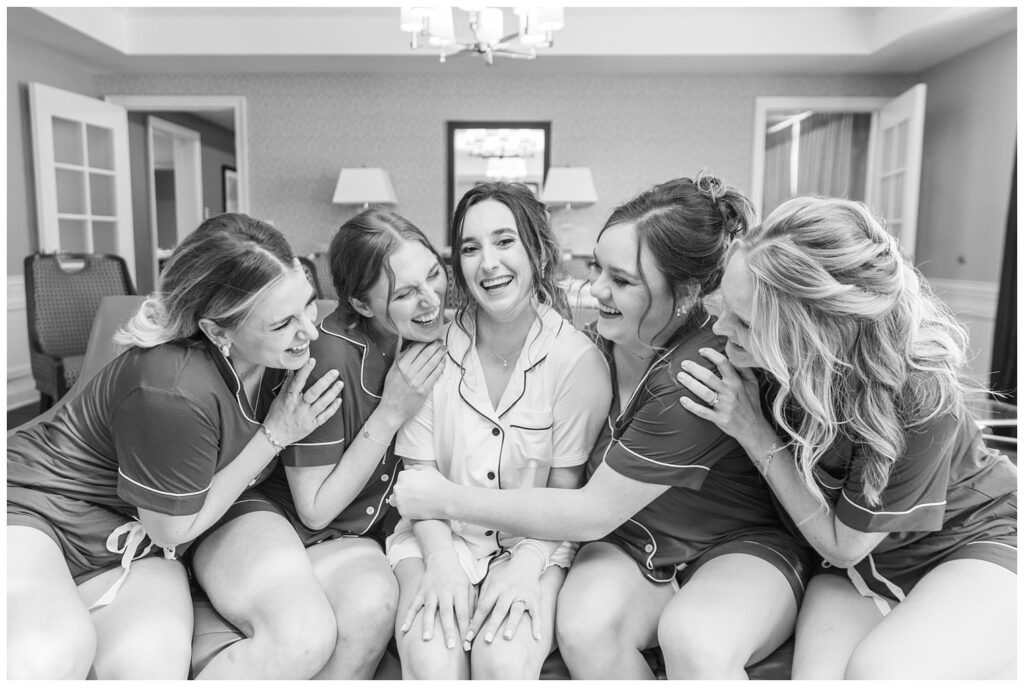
<point x="606" y="39"/>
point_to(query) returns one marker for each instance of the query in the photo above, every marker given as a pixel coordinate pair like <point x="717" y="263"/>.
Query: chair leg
<point x="45" y="402"/>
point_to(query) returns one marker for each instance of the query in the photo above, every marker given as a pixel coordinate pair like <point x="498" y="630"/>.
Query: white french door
<point x="894" y="175"/>
<point x="82" y="176"/>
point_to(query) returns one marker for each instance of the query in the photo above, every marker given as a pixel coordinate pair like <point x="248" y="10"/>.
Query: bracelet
<point x="769" y="457"/>
<point x="366" y="435"/>
<point x="536" y="547"/>
<point x="270" y="437"/>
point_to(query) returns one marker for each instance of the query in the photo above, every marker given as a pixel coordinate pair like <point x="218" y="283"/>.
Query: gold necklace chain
<point x="503" y="359"/>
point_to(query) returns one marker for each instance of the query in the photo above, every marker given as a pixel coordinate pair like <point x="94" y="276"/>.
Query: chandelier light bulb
<point x="441" y="27"/>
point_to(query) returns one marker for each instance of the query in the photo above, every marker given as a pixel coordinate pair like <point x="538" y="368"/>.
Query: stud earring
<point x="225" y="349"/>
<point x="679" y="311"/>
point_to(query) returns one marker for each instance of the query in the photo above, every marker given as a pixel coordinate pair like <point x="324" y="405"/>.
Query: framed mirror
<point x="487" y="151"/>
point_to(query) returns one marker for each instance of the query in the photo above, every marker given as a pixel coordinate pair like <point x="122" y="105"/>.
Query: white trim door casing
<point x="82" y="175"/>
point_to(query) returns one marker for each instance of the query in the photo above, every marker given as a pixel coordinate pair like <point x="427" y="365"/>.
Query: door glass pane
<point x="104" y="237"/>
<point x="67" y="142"/>
<point x="887" y="152"/>
<point x="901" y="144"/>
<point x="101" y="194"/>
<point x="74" y="237"/>
<point x="101" y="147"/>
<point x="70" y="192"/>
<point x="897" y="193"/>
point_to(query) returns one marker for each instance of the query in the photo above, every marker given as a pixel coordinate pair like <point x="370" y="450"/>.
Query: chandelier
<point x="434" y="27"/>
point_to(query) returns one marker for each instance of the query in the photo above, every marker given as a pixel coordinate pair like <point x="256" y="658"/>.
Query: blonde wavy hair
<point x="218" y="272"/>
<point x="852" y="333"/>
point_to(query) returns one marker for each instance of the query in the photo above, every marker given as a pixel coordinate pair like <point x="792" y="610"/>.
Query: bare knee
<point x="431" y="660"/>
<point x="690" y="653"/>
<point x="366" y="616"/>
<point x="873" y="660"/>
<point x="502" y="662"/>
<point x="158" y="650"/>
<point x="297" y="642"/>
<point x="584" y="634"/>
<point x="64" y="652"/>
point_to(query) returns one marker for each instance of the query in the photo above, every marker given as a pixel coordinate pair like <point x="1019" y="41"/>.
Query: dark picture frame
<point x="450" y="154"/>
<point x="229" y="188"/>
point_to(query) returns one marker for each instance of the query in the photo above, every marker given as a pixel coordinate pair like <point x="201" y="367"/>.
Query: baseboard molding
<point x="21" y="388"/>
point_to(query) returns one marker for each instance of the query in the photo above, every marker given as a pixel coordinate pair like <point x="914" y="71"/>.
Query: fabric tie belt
<point x="134" y="534"/>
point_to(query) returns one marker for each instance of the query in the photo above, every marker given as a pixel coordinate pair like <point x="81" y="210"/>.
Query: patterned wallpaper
<point x="632" y="130"/>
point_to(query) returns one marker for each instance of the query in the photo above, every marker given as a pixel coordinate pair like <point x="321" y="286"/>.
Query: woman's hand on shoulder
<point x="412" y="376"/>
<point x="731" y="401"/>
<point x="295" y="413"/>
<point x="420" y="493"/>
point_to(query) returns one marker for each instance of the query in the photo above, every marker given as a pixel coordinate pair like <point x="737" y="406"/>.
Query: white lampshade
<point x="492" y="25"/>
<point x="441" y="27"/>
<point x="569" y="186"/>
<point x="363" y="186"/>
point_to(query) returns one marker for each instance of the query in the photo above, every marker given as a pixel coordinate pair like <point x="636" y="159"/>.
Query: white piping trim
<point x="657" y="462"/>
<point x="993" y="543"/>
<point x="892" y="512"/>
<point x="650" y="369"/>
<point x="164" y="493"/>
<point x="785" y="560"/>
<point x="318" y="443"/>
<point x="362" y="358"/>
<point x="896" y="591"/>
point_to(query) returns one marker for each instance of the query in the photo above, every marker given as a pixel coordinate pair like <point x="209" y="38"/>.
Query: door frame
<point x="762" y="105"/>
<point x="187" y="157"/>
<point x="198" y="103"/>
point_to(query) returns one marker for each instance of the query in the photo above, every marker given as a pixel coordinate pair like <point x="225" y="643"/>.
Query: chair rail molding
<point x="21" y="388"/>
<point x="974" y="304"/>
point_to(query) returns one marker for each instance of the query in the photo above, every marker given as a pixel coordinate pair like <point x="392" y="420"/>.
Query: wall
<point x="26" y="62"/>
<point x="969" y="152"/>
<point x="304" y="127"/>
<point x="218" y="149"/>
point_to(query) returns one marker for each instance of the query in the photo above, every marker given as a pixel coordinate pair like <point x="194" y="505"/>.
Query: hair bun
<point x="710" y="185"/>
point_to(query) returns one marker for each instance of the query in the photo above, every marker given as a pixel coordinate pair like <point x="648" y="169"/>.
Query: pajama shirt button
<point x="495" y="431"/>
<point x="490" y="475"/>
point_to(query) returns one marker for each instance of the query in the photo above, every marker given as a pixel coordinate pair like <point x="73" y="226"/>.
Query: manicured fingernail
<point x="489" y="637"/>
<point x="470" y="635"/>
<point x="311" y="362"/>
<point x="426" y="636"/>
<point x="508" y="635"/>
<point x="450" y="643"/>
<point x="466" y="646"/>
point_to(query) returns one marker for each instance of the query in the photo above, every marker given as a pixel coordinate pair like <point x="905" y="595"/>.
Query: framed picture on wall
<point x="229" y="180"/>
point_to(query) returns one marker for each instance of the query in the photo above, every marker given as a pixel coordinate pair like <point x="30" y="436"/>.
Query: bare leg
<point x="49" y="632"/>
<point x="522" y="657"/>
<point x="259" y="577"/>
<point x="364" y="594"/>
<point x="424" y="659"/>
<point x="607" y="614"/>
<point x="958" y="623"/>
<point x="145" y="633"/>
<point x="833" y="618"/>
<point x="735" y="610"/>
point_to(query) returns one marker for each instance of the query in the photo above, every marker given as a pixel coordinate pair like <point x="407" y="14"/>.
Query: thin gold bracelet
<point x="770" y="456"/>
<point x="366" y="435"/>
<point x="270" y="437"/>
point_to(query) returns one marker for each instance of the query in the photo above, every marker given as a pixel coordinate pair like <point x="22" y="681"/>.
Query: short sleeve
<point x="915" y="498"/>
<point x="415" y="439"/>
<point x="664" y="443"/>
<point x="580" y="408"/>
<point x="167" y="451"/>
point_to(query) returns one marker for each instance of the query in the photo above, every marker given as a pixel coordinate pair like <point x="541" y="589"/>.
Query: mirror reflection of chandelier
<point x="506" y="168"/>
<point x="435" y="27"/>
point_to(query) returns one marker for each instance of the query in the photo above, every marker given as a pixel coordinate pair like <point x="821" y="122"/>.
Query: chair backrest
<point x="323" y="274"/>
<point x="63" y="292"/>
<point x="311" y="273"/>
<point x="111" y="314"/>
